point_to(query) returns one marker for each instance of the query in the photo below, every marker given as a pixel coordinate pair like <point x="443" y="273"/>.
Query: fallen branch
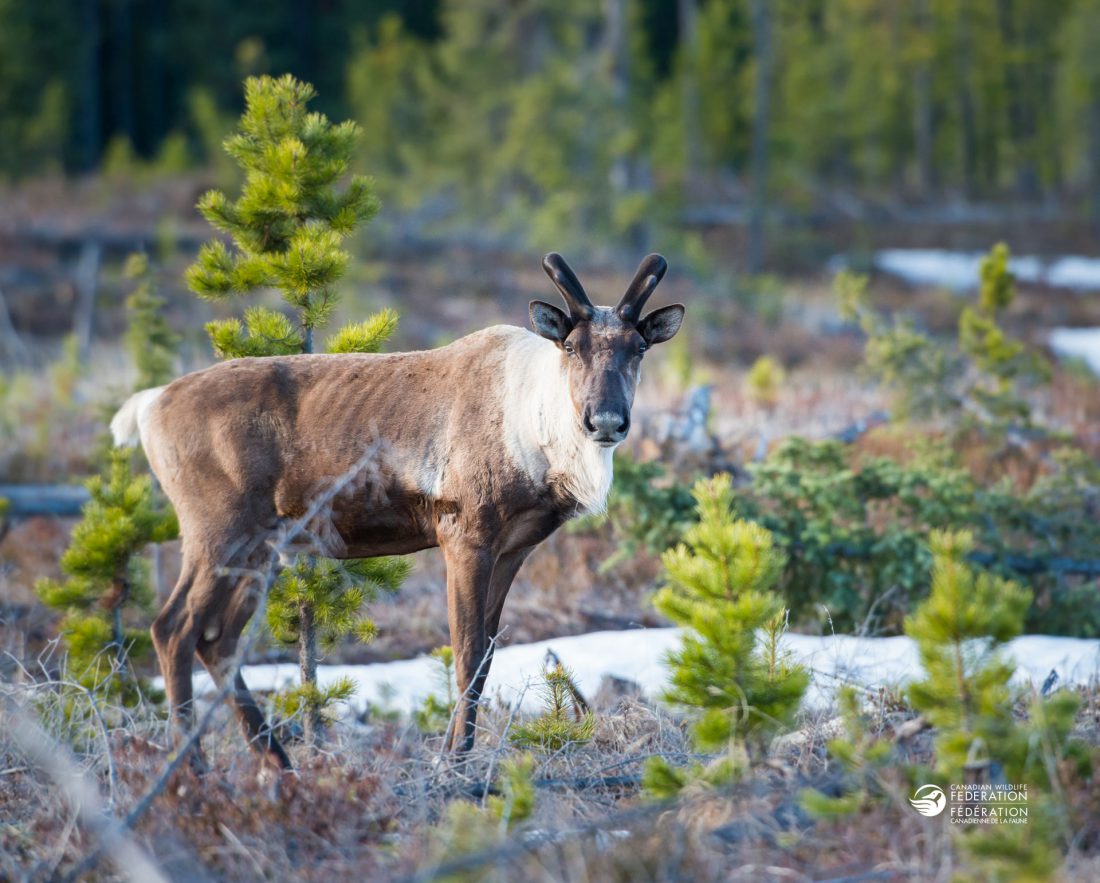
<point x="60" y="500"/>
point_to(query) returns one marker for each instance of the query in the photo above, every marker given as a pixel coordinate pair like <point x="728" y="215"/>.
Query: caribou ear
<point x="549" y="322"/>
<point x="662" y="324"/>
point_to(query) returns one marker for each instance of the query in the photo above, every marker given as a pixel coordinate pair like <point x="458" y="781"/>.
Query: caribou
<point x="483" y="447"/>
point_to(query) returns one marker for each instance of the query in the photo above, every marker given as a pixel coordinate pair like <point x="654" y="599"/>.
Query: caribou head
<point x="602" y="347"/>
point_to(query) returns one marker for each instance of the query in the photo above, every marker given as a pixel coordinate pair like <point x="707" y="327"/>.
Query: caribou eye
<point x="642" y="348"/>
<point x="568" y="347"/>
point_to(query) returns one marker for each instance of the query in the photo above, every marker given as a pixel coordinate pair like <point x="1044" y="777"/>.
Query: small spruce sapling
<point x="336" y="594"/>
<point x="979" y="383"/>
<point x="434" y="715"/>
<point x="565" y="720"/>
<point x="151" y="342"/>
<point x="288" y="227"/>
<point x="103" y="572"/>
<point x="468" y="829"/>
<point x="961" y="631"/>
<point x="730" y="669"/>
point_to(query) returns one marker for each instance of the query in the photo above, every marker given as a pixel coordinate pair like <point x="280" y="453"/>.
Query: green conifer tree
<point x="435" y="713"/>
<point x="960" y="631"/>
<point x="288" y="227"/>
<point x="104" y="572"/>
<point x="151" y="342"/>
<point x="103" y="569"/>
<point x="566" y="719"/>
<point x="979" y="383"/>
<point x="1003" y="365"/>
<point x="730" y="667"/>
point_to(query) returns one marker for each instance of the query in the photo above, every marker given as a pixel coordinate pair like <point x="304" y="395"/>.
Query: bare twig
<point x="45" y="753"/>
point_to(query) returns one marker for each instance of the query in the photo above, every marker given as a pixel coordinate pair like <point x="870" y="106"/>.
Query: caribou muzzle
<point x="606" y="426"/>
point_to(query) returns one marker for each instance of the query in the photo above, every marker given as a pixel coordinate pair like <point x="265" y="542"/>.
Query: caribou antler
<point x="650" y="271"/>
<point x="562" y="275"/>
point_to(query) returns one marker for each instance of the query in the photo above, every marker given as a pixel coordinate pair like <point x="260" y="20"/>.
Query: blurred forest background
<point x="559" y="120"/>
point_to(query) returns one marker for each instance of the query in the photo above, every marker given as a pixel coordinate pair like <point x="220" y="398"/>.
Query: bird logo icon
<point x="929" y="800"/>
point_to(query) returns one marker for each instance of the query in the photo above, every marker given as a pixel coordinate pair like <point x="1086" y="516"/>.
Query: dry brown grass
<point x="373" y="805"/>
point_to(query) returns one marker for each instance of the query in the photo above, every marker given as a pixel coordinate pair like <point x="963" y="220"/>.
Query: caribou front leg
<point x="469" y="569"/>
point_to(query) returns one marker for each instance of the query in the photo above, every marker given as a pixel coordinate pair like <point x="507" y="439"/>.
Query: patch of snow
<point x="1078" y="273"/>
<point x="639" y="656"/>
<point x="1080" y="343"/>
<point x="959" y="271"/>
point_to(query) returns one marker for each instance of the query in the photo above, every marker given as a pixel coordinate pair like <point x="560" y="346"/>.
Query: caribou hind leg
<point x="206" y="614"/>
<point x="175" y="637"/>
<point x="217" y="649"/>
<point x="217" y="656"/>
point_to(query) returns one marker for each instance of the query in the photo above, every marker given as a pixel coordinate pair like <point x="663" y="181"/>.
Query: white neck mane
<point x="541" y="426"/>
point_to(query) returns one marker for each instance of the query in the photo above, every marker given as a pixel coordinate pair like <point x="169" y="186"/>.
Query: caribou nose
<point x="607" y="427"/>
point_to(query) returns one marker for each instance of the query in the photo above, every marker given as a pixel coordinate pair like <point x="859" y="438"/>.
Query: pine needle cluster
<point x="565" y="720"/>
<point x="289" y="223"/>
<point x="103" y="572"/>
<point x="287" y="229"/>
<point x="730" y="669"/>
<point x="468" y="829"/>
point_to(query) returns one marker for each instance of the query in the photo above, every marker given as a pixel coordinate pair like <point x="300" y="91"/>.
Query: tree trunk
<point x="689" y="50"/>
<point x="307" y="666"/>
<point x="119" y="637"/>
<point x="1094" y="156"/>
<point x="121" y="70"/>
<point x="762" y="47"/>
<point x="1021" y="116"/>
<point x="89" y="137"/>
<point x="627" y="173"/>
<point x="303" y="16"/>
<point x="87" y="280"/>
<point x="967" y="123"/>
<point x="13" y="354"/>
<point x="307" y="636"/>
<point x="156" y="78"/>
<point x="924" y="120"/>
